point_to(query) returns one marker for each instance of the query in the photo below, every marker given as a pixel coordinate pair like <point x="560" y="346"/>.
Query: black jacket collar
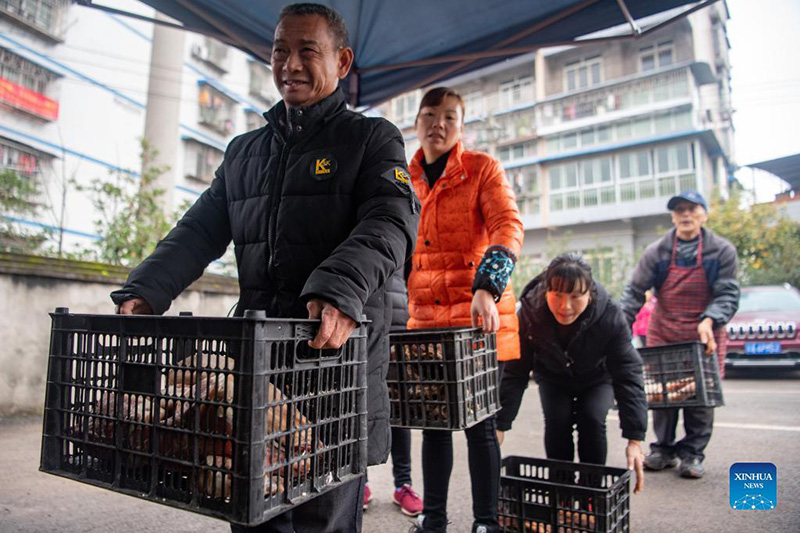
<point x="299" y="122"/>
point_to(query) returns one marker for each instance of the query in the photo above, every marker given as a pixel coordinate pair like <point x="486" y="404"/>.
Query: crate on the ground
<point x="442" y="378"/>
<point x="547" y="496"/>
<point x="235" y="418"/>
<point x="681" y="375"/>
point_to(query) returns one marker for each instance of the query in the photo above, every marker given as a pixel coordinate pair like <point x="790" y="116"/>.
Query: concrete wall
<point x="31" y="287"/>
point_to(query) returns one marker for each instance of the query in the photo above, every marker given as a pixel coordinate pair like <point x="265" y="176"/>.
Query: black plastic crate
<point x="442" y="378"/>
<point x="237" y="418"/>
<point x="681" y="375"/>
<point x="547" y="496"/>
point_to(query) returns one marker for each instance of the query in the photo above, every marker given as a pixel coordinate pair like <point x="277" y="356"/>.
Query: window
<point x="583" y="73"/>
<point x="624" y="130"/>
<point x="564" y="190"/>
<point x="569" y="141"/>
<point x="405" y="107"/>
<point x="475" y="105"/>
<point x="674" y="168"/>
<point x="663" y="123"/>
<point x="525" y="183"/>
<point x="212" y="53"/>
<point x="516" y="92"/>
<point x="216" y="110"/>
<point x="656" y="56"/>
<point x="636" y="177"/>
<point x="587" y="183"/>
<point x="261" y="85"/>
<point x="254" y="120"/>
<point x="22" y="72"/>
<point x="553" y="144"/>
<point x="514" y="152"/>
<point x="47" y="16"/>
<point x="583" y="139"/>
<point x="34" y="85"/>
<point x="201" y="161"/>
<point x="20" y="160"/>
<point x="672" y="158"/>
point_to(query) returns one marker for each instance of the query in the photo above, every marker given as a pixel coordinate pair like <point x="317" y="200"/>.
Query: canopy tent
<point x="403" y="45"/>
<point x="786" y="168"/>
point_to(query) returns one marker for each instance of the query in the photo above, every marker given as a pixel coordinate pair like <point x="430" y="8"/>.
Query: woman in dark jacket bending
<point x="578" y="345"/>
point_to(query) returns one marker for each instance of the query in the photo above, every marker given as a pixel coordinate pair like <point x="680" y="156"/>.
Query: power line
<point x="188" y="82"/>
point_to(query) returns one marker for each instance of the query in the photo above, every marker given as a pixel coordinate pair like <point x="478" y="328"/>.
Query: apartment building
<point x="596" y="138"/>
<point x="75" y="87"/>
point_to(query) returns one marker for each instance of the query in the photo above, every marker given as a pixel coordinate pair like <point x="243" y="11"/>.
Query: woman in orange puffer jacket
<point x="470" y="235"/>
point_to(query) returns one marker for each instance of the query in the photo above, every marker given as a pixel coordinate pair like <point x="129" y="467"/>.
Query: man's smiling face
<point x="307" y="63"/>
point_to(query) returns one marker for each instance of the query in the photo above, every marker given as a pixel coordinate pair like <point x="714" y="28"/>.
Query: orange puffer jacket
<point x="471" y="207"/>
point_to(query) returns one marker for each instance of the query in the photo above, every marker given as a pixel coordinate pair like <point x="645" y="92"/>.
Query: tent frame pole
<point x="624" y="8"/>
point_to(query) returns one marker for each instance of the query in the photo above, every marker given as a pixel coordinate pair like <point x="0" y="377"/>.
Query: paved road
<point x="760" y="423"/>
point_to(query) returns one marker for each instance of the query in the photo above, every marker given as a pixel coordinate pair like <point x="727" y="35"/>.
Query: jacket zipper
<point x="564" y="353"/>
<point x="274" y="204"/>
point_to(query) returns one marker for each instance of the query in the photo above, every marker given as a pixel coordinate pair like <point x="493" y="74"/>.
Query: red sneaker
<point x="408" y="500"/>
<point x="367" y="496"/>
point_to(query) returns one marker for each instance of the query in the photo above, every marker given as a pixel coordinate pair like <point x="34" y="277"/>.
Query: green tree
<point x="768" y="241"/>
<point x="19" y="199"/>
<point x="131" y="219"/>
<point x="528" y="267"/>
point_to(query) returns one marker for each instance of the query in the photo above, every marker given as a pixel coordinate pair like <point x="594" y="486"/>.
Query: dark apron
<point x="682" y="298"/>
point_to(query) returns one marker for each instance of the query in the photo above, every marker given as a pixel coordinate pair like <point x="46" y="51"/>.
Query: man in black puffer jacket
<point x="581" y="367"/>
<point x="321" y="212"/>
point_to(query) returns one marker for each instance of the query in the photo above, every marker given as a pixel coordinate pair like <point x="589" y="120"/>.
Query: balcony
<point x="46" y="17"/>
<point x="618" y="99"/>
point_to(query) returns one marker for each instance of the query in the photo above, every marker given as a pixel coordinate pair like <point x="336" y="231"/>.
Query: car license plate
<point x="761" y="348"/>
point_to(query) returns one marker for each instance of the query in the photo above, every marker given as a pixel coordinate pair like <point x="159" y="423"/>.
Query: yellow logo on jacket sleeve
<point x="402" y="176"/>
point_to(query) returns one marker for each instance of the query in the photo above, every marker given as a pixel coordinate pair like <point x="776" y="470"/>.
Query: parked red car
<point x="763" y="333"/>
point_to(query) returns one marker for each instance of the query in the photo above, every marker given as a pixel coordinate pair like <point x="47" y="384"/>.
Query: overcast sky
<point x="765" y="70"/>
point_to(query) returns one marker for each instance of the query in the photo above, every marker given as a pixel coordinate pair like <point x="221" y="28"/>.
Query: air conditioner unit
<point x="200" y="52"/>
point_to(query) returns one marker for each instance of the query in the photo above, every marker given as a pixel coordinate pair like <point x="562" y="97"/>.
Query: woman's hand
<point x="483" y="306"/>
<point x="633" y="452"/>
<point x="500" y="436"/>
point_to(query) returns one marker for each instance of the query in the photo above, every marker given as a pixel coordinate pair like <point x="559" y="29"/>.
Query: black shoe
<point x="660" y="461"/>
<point x="419" y="527"/>
<point x="692" y="468"/>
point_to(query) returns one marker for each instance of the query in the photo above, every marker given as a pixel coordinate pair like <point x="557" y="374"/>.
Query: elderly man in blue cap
<point x="694" y="274"/>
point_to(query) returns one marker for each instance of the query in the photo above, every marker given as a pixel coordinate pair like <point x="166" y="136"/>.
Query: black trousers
<point x="484" y="473"/>
<point x="564" y="410"/>
<point x="401" y="456"/>
<point x="337" y="511"/>
<point x="483" y="453"/>
<point x="698" y="422"/>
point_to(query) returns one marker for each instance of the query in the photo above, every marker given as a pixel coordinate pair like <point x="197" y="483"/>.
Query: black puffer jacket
<point x="601" y="351"/>
<point x="319" y="205"/>
<point x="398" y="296"/>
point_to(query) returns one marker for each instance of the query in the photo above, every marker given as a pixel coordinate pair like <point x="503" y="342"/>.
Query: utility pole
<point x="162" y="118"/>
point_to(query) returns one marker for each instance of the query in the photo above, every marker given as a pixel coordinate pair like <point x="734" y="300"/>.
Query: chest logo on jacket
<point x="323" y="167"/>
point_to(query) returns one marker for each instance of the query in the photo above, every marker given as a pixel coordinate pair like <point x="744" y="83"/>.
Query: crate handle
<point x="304" y="354"/>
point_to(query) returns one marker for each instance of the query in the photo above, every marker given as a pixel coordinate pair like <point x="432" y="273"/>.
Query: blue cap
<point x="688" y="196"/>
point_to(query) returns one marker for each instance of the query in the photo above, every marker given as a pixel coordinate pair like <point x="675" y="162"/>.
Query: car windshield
<point x="769" y="300"/>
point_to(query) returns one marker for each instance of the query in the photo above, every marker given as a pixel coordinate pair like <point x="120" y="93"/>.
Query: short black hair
<point x="335" y="21"/>
<point x="568" y="272"/>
